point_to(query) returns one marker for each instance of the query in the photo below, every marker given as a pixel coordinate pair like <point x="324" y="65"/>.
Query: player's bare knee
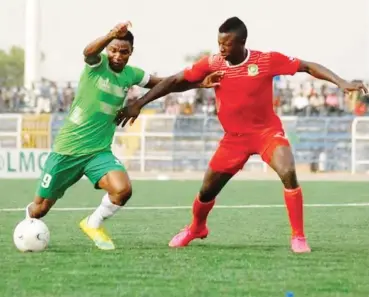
<point x="288" y="176"/>
<point x="121" y="194"/>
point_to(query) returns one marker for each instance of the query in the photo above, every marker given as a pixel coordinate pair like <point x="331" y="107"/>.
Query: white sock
<point x="105" y="210"/>
<point x="28" y="216"/>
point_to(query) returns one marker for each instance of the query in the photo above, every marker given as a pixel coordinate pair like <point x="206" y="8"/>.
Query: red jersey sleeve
<point x="198" y="71"/>
<point x="283" y="65"/>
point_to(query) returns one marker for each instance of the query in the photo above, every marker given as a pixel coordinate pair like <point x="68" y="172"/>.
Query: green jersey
<point x="89" y="126"/>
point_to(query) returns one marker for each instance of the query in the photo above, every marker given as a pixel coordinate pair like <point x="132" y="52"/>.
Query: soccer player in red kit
<point x="244" y="104"/>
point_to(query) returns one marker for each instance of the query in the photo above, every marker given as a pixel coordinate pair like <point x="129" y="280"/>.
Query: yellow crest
<point x="253" y="70"/>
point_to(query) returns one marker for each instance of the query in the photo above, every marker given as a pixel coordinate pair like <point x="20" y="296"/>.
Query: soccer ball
<point x="31" y="235"/>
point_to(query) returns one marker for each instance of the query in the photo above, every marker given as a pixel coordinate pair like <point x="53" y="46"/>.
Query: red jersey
<point x="245" y="96"/>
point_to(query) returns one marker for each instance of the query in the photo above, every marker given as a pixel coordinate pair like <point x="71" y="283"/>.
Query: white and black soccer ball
<point x="31" y="235"/>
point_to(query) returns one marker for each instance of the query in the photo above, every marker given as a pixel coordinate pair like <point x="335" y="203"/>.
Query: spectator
<point x="54" y="97"/>
<point x="30" y="97"/>
<point x="332" y="103"/>
<point x="171" y="105"/>
<point x="286" y="99"/>
<point x="186" y="108"/>
<point x="300" y="104"/>
<point x="316" y="104"/>
<point x="44" y="98"/>
<point x="68" y="96"/>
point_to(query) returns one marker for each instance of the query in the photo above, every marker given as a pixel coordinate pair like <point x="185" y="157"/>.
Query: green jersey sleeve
<point x="93" y="68"/>
<point x="140" y="77"/>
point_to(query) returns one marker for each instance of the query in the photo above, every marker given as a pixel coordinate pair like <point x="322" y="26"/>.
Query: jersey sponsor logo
<point x="103" y="84"/>
<point x="253" y="70"/>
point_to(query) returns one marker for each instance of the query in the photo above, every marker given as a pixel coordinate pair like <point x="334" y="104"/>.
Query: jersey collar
<point x="243" y="62"/>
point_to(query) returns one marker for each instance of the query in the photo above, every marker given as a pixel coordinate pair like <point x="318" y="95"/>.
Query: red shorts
<point x="234" y="150"/>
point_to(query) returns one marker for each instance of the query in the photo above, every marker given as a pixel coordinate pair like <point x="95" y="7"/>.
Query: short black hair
<point x="235" y="25"/>
<point x="128" y="37"/>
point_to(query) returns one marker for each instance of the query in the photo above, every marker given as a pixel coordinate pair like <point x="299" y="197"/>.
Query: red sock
<point x="200" y="211"/>
<point x="294" y="203"/>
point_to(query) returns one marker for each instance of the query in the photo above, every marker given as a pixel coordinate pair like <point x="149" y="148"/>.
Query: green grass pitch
<point x="246" y="254"/>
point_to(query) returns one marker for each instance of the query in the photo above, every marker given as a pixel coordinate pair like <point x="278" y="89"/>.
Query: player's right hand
<point x="120" y="30"/>
<point x="128" y="114"/>
<point x="212" y="80"/>
<point x="353" y="86"/>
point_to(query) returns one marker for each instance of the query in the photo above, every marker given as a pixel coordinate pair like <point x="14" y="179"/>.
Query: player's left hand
<point x="120" y="30"/>
<point x="128" y="114"/>
<point x="353" y="86"/>
<point x="212" y="80"/>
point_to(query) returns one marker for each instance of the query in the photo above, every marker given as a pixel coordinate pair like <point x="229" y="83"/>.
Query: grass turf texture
<point x="246" y="254"/>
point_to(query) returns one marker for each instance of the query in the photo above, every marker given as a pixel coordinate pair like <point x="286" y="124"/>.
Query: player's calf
<point x="39" y="207"/>
<point x="212" y="184"/>
<point x="284" y="165"/>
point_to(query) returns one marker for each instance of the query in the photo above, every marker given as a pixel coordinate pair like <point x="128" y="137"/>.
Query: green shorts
<point x="61" y="172"/>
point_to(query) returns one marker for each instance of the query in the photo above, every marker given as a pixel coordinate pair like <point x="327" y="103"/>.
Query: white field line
<point x="189" y="207"/>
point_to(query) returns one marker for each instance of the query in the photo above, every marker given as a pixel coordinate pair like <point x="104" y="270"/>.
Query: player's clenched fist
<point x="128" y="113"/>
<point x="120" y="30"/>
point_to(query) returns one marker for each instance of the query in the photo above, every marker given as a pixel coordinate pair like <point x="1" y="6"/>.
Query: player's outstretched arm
<point x="164" y="87"/>
<point x="211" y="81"/>
<point x="174" y="83"/>
<point x="321" y="72"/>
<point x="161" y="88"/>
<point x="199" y="75"/>
<point x="93" y="50"/>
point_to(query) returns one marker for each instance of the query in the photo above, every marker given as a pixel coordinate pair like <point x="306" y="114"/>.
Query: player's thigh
<point x="229" y="159"/>
<point x="59" y="173"/>
<point x="106" y="172"/>
<point x="276" y="150"/>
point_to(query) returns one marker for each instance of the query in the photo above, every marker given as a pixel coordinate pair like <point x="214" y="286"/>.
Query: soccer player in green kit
<point x="83" y="145"/>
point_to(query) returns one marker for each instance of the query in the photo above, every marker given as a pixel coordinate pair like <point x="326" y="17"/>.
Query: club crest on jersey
<point x="252" y="70"/>
<point x="105" y="84"/>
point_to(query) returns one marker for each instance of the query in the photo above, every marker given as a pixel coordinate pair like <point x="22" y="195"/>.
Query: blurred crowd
<point x="316" y="98"/>
<point x="43" y="97"/>
<point x="307" y="98"/>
